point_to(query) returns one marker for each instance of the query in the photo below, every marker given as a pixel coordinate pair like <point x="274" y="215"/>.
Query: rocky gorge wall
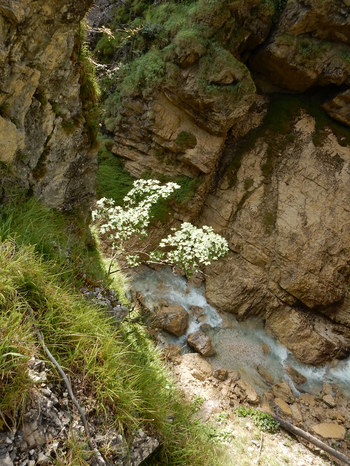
<point x="273" y="169"/>
<point x="45" y="143"/>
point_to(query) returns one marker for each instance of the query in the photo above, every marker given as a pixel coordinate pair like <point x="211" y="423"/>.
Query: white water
<point x="238" y="344"/>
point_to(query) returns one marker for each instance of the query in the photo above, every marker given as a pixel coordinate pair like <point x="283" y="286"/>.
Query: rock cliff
<point x="45" y="142"/>
<point x="208" y="98"/>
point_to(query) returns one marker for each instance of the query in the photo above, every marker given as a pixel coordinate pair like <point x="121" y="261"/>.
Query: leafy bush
<point x="263" y="421"/>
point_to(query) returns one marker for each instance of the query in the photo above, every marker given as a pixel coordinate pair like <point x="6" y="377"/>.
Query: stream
<point x="240" y="346"/>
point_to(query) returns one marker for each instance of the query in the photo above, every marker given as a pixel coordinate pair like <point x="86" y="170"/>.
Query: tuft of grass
<point x="63" y="240"/>
<point x="89" y="87"/>
<point x="113" y="181"/>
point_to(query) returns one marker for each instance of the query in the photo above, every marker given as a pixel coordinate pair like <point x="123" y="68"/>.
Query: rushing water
<point x="239" y="345"/>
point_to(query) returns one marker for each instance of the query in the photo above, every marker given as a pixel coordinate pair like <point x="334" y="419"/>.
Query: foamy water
<point x="238" y="345"/>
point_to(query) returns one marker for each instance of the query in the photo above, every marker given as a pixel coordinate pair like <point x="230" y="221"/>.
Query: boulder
<point x="173" y="319"/>
<point x="329" y="430"/>
<point x="201" y="343"/>
<point x="307" y="399"/>
<point x="265" y="375"/>
<point x="220" y="374"/>
<point x="282" y="390"/>
<point x="329" y="400"/>
<point x="284" y="407"/>
<point x="297" y="378"/>
<point x="246" y="392"/>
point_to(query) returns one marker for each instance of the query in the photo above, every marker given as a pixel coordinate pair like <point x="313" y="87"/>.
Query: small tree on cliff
<point x="188" y="247"/>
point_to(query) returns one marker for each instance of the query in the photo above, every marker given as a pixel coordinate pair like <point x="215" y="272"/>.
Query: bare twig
<point x="92" y="445"/>
<point x="260" y="448"/>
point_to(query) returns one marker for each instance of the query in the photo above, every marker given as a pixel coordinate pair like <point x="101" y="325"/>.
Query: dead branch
<point x="310" y="438"/>
<point x="100" y="459"/>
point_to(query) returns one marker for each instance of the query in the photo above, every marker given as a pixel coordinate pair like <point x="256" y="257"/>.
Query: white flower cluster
<point x="187" y="247"/>
<point x="192" y="246"/>
<point x="121" y="223"/>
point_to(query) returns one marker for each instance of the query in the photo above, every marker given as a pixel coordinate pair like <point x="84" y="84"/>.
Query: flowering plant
<point x="187" y="247"/>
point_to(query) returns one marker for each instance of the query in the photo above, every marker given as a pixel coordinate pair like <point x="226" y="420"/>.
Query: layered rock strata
<point x="44" y="140"/>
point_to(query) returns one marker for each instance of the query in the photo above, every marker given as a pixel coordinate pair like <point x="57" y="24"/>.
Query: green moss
<point x="4" y="108"/>
<point x="40" y="168"/>
<point x="89" y="87"/>
<point x="41" y="97"/>
<point x="269" y="220"/>
<point x="144" y="74"/>
<point x="248" y="183"/>
<point x="186" y="140"/>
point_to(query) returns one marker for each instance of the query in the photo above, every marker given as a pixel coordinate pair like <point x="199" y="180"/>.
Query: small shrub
<point x="263" y="421"/>
<point x="186" y="140"/>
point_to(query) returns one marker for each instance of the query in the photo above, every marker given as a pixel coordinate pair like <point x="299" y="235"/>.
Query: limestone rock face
<point x="43" y="136"/>
<point x="310" y="46"/>
<point x="286" y="219"/>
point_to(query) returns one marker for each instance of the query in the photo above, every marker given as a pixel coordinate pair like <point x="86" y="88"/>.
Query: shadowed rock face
<point x="310" y="46"/>
<point x="43" y="136"/>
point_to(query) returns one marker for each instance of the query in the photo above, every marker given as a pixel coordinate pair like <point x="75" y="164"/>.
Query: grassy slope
<point x="42" y="261"/>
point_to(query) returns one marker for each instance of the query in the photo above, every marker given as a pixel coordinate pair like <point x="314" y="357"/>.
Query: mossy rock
<point x="185" y="140"/>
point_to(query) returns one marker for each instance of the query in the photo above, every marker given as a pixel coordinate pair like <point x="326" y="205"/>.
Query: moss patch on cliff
<point x="113" y="181"/>
<point x="144" y="48"/>
<point x="89" y="87"/>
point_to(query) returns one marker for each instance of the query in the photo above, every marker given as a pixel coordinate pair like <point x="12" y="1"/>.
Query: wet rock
<point x="201" y="343"/>
<point x="195" y="280"/>
<point x="327" y="389"/>
<point x="265" y="375"/>
<point x="329" y="430"/>
<point x="297" y="378"/>
<point x="284" y="407"/>
<point x="173" y="319"/>
<point x="265" y="347"/>
<point x="282" y="390"/>
<point x="197" y="310"/>
<point x="220" y="374"/>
